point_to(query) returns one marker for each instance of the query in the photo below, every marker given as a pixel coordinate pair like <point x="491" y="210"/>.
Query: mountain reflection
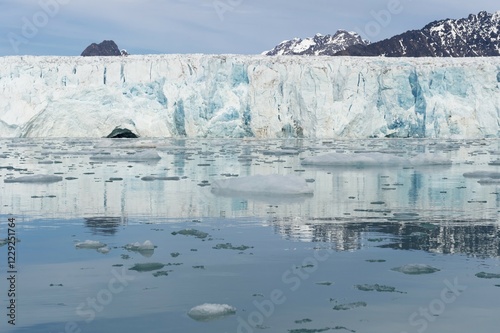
<point x="479" y="240"/>
<point x="104" y="225"/>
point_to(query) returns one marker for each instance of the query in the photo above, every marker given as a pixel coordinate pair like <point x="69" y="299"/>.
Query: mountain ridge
<point x="477" y="35"/>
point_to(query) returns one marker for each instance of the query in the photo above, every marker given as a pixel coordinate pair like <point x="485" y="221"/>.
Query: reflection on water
<point x="318" y="262"/>
<point x="104" y="225"/>
<point x="479" y="240"/>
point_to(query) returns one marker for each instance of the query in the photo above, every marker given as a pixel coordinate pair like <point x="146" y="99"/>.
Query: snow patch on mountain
<point x="318" y="45"/>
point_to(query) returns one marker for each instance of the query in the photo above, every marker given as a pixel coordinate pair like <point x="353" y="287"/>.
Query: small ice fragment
<point x="146" y="249"/>
<point x="191" y="232"/>
<point x="208" y="312"/>
<point x="416" y="269"/>
<point x="349" y="306"/>
<point x="89" y="244"/>
<point x="484" y="275"/>
<point x="147" y="245"/>
<point x="34" y="179"/>
<point x="377" y="287"/>
<point x="103" y="250"/>
<point x="147" y="267"/>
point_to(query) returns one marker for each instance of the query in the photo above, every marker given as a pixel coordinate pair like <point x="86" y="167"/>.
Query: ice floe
<point x="90" y="244"/>
<point x="416" y="269"/>
<point x="146" y="249"/>
<point x="209" y="311"/>
<point x="42" y="179"/>
<point x="289" y="185"/>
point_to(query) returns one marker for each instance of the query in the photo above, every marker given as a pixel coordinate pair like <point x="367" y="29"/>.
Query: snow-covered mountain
<point x="318" y="45"/>
<point x="250" y="96"/>
<point x="474" y="36"/>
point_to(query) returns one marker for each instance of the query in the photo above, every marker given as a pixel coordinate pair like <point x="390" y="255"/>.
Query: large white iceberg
<point x="208" y="311"/>
<point x="250" y="96"/>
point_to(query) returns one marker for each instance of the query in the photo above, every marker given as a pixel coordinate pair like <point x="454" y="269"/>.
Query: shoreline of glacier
<point x="215" y="96"/>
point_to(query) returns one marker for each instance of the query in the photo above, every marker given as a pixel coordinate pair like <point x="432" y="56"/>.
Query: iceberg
<point x="238" y="96"/>
<point x="263" y="185"/>
<point x="147" y="245"/>
<point x="208" y="311"/>
<point x="145" y="249"/>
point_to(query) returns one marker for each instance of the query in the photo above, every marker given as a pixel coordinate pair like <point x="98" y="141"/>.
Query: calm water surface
<point x="336" y="260"/>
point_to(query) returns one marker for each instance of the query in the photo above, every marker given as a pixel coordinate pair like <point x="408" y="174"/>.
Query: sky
<point x="67" y="27"/>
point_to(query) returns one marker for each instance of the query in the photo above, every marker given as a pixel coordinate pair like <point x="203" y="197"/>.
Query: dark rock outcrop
<point x="106" y="48"/>
<point x="474" y="36"/>
<point x="122" y="133"/>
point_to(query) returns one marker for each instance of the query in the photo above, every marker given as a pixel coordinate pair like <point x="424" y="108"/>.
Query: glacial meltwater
<point x="242" y="235"/>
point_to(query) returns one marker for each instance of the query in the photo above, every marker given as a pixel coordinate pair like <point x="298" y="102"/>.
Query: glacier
<point x="254" y="96"/>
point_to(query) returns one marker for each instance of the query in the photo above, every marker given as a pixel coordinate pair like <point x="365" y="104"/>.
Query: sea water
<point x="172" y="235"/>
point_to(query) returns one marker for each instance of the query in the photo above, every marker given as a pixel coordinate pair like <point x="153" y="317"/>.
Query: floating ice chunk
<point x="147" y="245"/>
<point x="103" y="250"/>
<point x="482" y="174"/>
<point x="349" y="306"/>
<point x="416" y="269"/>
<point x="361" y="159"/>
<point x="207" y="311"/>
<point x="89" y="244"/>
<point x="147" y="267"/>
<point x="146" y="155"/>
<point x="289" y="185"/>
<point x="484" y="275"/>
<point x="45" y="179"/>
<point x="146" y="249"/>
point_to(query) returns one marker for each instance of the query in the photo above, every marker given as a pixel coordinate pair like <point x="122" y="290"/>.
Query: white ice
<point x="89" y="244"/>
<point x="34" y="179"/>
<point x="280" y="185"/>
<point x="147" y="245"/>
<point x="208" y="311"/>
<point x="249" y="96"/>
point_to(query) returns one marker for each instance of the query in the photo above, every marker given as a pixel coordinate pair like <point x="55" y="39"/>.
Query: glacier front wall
<point x="250" y="96"/>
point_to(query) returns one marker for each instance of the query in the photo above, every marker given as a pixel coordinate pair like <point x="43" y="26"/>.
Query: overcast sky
<point x="66" y="27"/>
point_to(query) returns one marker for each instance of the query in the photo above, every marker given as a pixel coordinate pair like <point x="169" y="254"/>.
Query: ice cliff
<point x="250" y="96"/>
